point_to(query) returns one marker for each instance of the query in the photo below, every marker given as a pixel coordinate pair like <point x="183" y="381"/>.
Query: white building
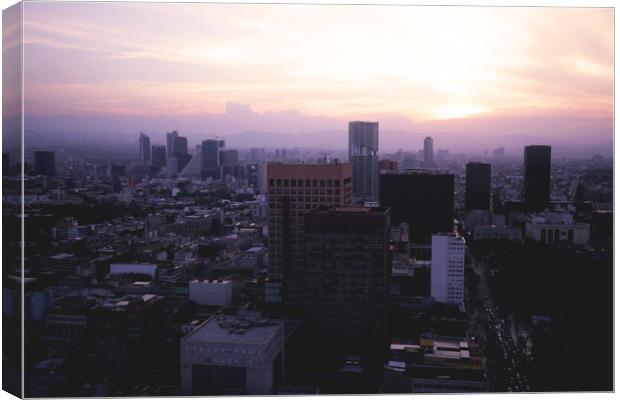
<point x="147" y="269"/>
<point x="232" y="355"/>
<point x="556" y="227"/>
<point x="211" y="292"/>
<point x="447" y="268"/>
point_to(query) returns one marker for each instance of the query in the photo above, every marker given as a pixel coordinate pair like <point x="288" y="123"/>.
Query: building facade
<point x="364" y="159"/>
<point x="347" y="264"/>
<point x="478" y="186"/>
<point x="537" y="177"/>
<point x="45" y="163"/>
<point x="424" y="201"/>
<point x="428" y="152"/>
<point x="294" y="190"/>
<point x="145" y="149"/>
<point x="448" y="268"/>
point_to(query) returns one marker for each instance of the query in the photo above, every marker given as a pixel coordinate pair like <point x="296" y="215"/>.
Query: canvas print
<point x="216" y="199"/>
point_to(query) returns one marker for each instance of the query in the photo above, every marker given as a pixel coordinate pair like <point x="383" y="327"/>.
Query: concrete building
<point x="232" y="356"/>
<point x="428" y="152"/>
<point x="215" y="292"/>
<point x="537" y="177"/>
<point x="294" y="190"/>
<point x="448" y="268"/>
<point x="145" y="149"/>
<point x="364" y="159"/>
<point x="495" y="232"/>
<point x="211" y="158"/>
<point x="347" y="265"/>
<point x="551" y="227"/>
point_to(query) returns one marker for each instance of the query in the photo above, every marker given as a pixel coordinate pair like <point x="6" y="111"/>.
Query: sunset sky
<point x="344" y="62"/>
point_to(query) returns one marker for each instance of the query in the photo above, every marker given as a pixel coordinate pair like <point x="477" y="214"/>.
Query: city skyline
<point x="431" y="70"/>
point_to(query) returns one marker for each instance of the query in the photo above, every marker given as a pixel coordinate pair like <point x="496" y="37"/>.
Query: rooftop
<point x="220" y="329"/>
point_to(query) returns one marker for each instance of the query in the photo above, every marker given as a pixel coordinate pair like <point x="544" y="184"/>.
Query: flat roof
<point x="211" y="332"/>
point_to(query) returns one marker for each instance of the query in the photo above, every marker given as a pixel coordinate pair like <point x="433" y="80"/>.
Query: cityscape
<point x="346" y="258"/>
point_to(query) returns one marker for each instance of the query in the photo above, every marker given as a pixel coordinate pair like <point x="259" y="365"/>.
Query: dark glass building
<point x="211" y="158"/>
<point x="45" y="163"/>
<point x="363" y="148"/>
<point x="347" y="263"/>
<point x="158" y="155"/>
<point x="537" y="177"/>
<point x="477" y="186"/>
<point x="425" y="201"/>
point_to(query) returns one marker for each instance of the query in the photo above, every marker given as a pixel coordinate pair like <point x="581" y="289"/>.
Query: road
<point x="506" y="363"/>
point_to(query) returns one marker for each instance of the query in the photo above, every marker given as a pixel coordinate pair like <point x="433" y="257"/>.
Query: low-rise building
<point x="494" y="232"/>
<point x="216" y="292"/>
<point x="551" y="227"/>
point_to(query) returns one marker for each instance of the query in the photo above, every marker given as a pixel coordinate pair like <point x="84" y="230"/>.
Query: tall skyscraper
<point x="293" y="190"/>
<point x="229" y="162"/>
<point x="180" y="145"/>
<point x="477" y="186"/>
<point x="424" y="201"/>
<point x="170" y="141"/>
<point x="363" y="148"/>
<point x="158" y="155"/>
<point x="145" y="149"/>
<point x="347" y="264"/>
<point x="211" y="158"/>
<point x="428" y="152"/>
<point x="45" y="163"/>
<point x="448" y="268"/>
<point x="537" y="177"/>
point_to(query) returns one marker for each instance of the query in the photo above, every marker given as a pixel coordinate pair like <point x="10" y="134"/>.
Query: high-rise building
<point x="477" y="186"/>
<point x="158" y="155"/>
<point x="211" y="158"/>
<point x="347" y="264"/>
<point x="537" y="177"/>
<point x="180" y="145"/>
<point x="363" y="148"/>
<point x="293" y="190"/>
<point x="448" y="268"/>
<point x="229" y="162"/>
<point x="428" y="152"/>
<point x="45" y="163"/>
<point x="423" y="200"/>
<point x="145" y="149"/>
<point x="170" y="142"/>
<point x="6" y="164"/>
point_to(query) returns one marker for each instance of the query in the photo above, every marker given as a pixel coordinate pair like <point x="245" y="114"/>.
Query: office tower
<point x="211" y="158"/>
<point x="158" y="155"/>
<point x="293" y="190"/>
<point x="423" y="200"/>
<point x="229" y="162"/>
<point x="170" y="142"/>
<point x="347" y="263"/>
<point x="428" y="152"/>
<point x="363" y="148"/>
<point x="232" y="355"/>
<point x="448" y="268"/>
<point x="477" y="186"/>
<point x="145" y="149"/>
<point x="180" y="145"/>
<point x="45" y="163"/>
<point x="537" y="177"/>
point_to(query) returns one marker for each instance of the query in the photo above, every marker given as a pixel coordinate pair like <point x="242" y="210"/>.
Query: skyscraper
<point x="211" y="158"/>
<point x="537" y="177"/>
<point x="477" y="186"/>
<point x="293" y="190"/>
<point x="347" y="264"/>
<point x="180" y="145"/>
<point x="423" y="200"/>
<point x="363" y="148"/>
<point x="170" y="141"/>
<point x="158" y="155"/>
<point x="428" y="152"/>
<point x="145" y="149"/>
<point x="448" y="268"/>
<point x="45" y="163"/>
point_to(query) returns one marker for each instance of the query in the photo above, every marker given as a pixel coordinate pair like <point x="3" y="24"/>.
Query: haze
<point x="218" y="69"/>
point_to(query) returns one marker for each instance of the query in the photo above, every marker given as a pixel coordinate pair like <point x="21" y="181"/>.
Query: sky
<point x="298" y="68"/>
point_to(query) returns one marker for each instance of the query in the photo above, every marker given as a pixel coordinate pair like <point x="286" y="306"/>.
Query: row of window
<point x="305" y="182"/>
